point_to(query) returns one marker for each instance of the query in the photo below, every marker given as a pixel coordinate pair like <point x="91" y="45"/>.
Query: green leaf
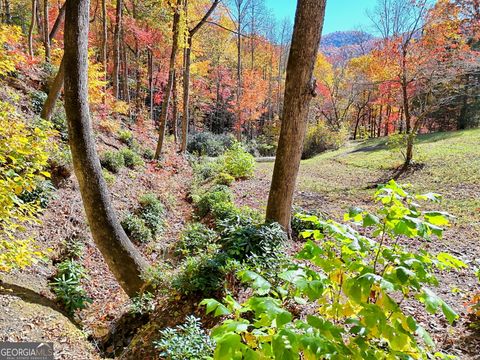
<point x="370" y="219"/>
<point x="451" y="261"/>
<point x="449" y="313"/>
<point x="259" y="283"/>
<point x="213" y="305"/>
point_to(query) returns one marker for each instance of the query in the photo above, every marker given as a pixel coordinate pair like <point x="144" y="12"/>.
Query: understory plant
<point x="187" y="341"/>
<point x="68" y="288"/>
<point x="352" y="286"/>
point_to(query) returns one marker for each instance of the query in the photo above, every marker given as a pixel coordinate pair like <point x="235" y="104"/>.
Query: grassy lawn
<point x="450" y="165"/>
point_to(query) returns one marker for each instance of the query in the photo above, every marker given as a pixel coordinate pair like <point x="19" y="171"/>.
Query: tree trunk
<point x="150" y="82"/>
<point x="122" y="258"/>
<point x="58" y="22"/>
<point x="32" y="26"/>
<point x="299" y="90"/>
<point x="175" y="108"/>
<point x="46" y="38"/>
<point x="168" y="90"/>
<point x="116" y="49"/>
<point x="54" y="93"/>
<point x="186" y="96"/>
<point x="186" y="75"/>
<point x="104" y="47"/>
<point x="8" y="16"/>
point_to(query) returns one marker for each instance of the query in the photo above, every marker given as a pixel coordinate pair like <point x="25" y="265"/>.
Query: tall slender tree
<point x="171" y="76"/>
<point x="186" y="74"/>
<point x="122" y="257"/>
<point x="299" y="90"/>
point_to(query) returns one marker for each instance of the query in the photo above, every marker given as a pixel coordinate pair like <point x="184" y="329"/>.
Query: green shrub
<point x="224" y="179"/>
<point x="152" y="211"/>
<point x="125" y="136"/>
<point x="142" y="304"/>
<point x="209" y="144"/>
<point x="74" y="247"/>
<point x="320" y="138"/>
<point x="185" y="342"/>
<point x="215" y="197"/>
<point x="131" y="158"/>
<point x="196" y="239"/>
<point x="264" y="241"/>
<point x="42" y="193"/>
<point x="238" y="163"/>
<point x="148" y="154"/>
<point x="202" y="274"/>
<point x="68" y="288"/>
<point x="205" y="170"/>
<point x="109" y="177"/>
<point x="112" y="161"/>
<point x="37" y="99"/>
<point x="136" y="228"/>
<point x="354" y="282"/>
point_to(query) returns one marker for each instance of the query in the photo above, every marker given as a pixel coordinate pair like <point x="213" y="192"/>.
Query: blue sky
<point x="340" y="14"/>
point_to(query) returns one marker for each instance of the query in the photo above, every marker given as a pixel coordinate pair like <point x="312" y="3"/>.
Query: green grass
<point x="450" y="166"/>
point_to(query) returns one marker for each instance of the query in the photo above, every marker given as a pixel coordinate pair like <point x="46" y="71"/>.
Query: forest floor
<point x="447" y="163"/>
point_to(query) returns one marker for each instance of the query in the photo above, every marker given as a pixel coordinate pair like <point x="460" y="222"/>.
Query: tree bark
<point x="122" y="258"/>
<point x="104" y="47"/>
<point x="175" y="108"/>
<point x="46" y="38"/>
<point x="116" y="49"/>
<point x="299" y="90"/>
<point x="58" y="21"/>
<point x="168" y="90"/>
<point x="32" y="26"/>
<point x="54" y="93"/>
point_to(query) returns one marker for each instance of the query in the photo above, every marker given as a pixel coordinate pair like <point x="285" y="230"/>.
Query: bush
<point x="131" y="158"/>
<point x="148" y="154"/>
<point x="209" y="144"/>
<point x="152" y="211"/>
<point x="185" y="342"/>
<point x="213" y="199"/>
<point x="196" y="239"/>
<point x="67" y="286"/>
<point x="112" y="161"/>
<point x="224" y="179"/>
<point x="142" y="304"/>
<point x="109" y="177"/>
<point x="206" y="169"/>
<point x="125" y="136"/>
<point x="238" y="163"/>
<point x="136" y="228"/>
<point x="320" y="138"/>
<point x="263" y="241"/>
<point x="37" y="99"/>
<point x="42" y="193"/>
<point x="202" y="274"/>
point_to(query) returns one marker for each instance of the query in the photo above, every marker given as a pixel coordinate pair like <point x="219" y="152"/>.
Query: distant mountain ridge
<point x="347" y="44"/>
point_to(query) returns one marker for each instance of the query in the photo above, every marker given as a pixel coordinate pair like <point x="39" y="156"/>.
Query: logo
<point x="26" y="351"/>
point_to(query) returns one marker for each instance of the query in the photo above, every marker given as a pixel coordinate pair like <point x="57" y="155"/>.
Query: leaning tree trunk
<point x="58" y="22"/>
<point x="54" y="93"/>
<point x="122" y="258"/>
<point x="299" y="90"/>
<point x="168" y="90"/>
